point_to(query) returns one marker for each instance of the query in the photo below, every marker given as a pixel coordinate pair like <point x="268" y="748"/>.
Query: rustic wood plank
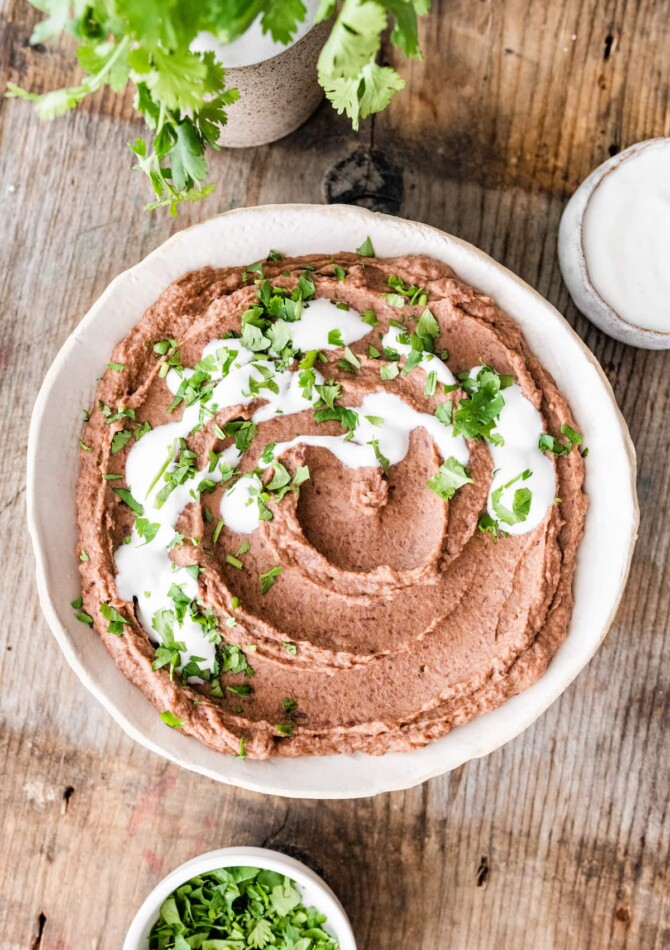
<point x="559" y="840"/>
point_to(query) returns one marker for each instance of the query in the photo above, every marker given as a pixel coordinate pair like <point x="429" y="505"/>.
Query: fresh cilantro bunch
<point x="182" y="94"/>
<point x="239" y="909"/>
<point x="348" y="69"/>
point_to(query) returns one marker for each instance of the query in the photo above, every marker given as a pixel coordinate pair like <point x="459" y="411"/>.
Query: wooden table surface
<point x="558" y="840"/>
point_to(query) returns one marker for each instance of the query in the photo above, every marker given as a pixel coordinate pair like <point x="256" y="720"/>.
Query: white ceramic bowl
<point x="572" y="259"/>
<point x="240" y="237"/>
<point x="313" y="890"/>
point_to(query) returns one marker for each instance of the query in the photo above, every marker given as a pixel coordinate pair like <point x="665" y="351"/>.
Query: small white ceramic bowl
<point x="313" y="890"/>
<point x="572" y="259"/>
<point x="240" y="237"/>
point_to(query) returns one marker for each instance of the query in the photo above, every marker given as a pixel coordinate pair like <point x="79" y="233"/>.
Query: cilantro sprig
<point x="182" y="94"/>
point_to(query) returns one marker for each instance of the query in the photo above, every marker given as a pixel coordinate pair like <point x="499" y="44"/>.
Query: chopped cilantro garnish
<point x="116" y="367"/>
<point x="240" y="690"/>
<point x="450" y="476"/>
<point x="427" y="329"/>
<point x="477" y="414"/>
<point x="383" y="461"/>
<point x="267" y="455"/>
<point x="350" y="363"/>
<point x="431" y="383"/>
<point x="174" y="722"/>
<point x="269" y="578"/>
<point x="389" y="371"/>
<point x="284" y="728"/>
<point x="168" y="653"/>
<point x="488" y="525"/>
<point x="186" y="468"/>
<point x="290" y="705"/>
<point x="146" y="529"/>
<point x="571" y="434"/>
<point x="369" y="317"/>
<point x="301" y="475"/>
<point x="80" y="614"/>
<point x="84" y="556"/>
<point x="243" y="432"/>
<point x="280" y="477"/>
<point x="120" y="439"/>
<point x="161" y="471"/>
<point x="335" y="338"/>
<point x="290" y="647"/>
<point x="520" y="503"/>
<point x="366" y="249"/>
<point x="329" y="392"/>
<point x="126" y="497"/>
<point x="234" y="660"/>
<point x="549" y="443"/>
<point x="416" y="296"/>
<point x="116" y="621"/>
<point x="444" y="412"/>
<point x="347" y="418"/>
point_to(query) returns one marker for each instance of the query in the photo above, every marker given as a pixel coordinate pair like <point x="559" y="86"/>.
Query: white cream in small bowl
<point x="614" y="245"/>
<point x="312" y="889"/>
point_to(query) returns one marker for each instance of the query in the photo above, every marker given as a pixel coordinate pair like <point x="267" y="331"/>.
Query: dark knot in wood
<point x="367" y="178"/>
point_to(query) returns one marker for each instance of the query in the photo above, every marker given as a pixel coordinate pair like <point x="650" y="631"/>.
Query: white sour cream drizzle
<point x="311" y="331"/>
<point x="145" y="571"/>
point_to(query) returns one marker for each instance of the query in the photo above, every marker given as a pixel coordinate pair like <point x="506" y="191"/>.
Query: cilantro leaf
<point x="520" y="503"/>
<point x="549" y="443"/>
<point x="450" y="476"/>
<point x="126" y="497"/>
<point x="366" y="249"/>
<point x="269" y="578"/>
<point x="146" y="529"/>
<point x="169" y="718"/>
<point x="116" y="621"/>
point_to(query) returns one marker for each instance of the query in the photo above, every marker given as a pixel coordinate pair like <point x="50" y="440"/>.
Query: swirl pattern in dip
<point x="328" y="505"/>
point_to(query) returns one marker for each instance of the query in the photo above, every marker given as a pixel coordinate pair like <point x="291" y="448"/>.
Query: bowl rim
<point x="573" y="217"/>
<point x="243" y="856"/>
<point x="475" y="739"/>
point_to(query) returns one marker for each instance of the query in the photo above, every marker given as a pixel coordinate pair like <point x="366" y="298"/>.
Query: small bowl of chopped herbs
<point x="239" y="898"/>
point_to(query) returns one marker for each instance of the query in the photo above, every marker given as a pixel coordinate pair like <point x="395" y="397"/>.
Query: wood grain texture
<point x="560" y="839"/>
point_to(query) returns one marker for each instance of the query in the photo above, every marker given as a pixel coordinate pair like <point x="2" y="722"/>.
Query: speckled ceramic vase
<point x="277" y="93"/>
